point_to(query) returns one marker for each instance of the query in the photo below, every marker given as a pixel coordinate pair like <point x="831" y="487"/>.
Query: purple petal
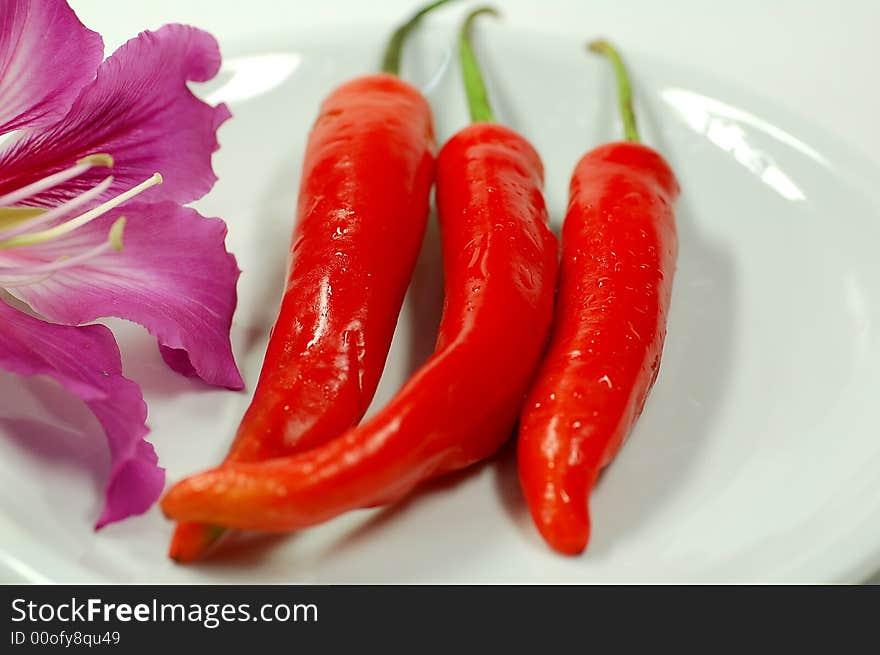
<point x="139" y="110"/>
<point x="173" y="276"/>
<point x="46" y="57"/>
<point x="85" y="361"/>
<point x="178" y="360"/>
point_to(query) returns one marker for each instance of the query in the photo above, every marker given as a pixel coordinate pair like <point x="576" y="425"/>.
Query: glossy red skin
<point x="500" y="262"/>
<point x="619" y="248"/>
<point x="361" y="216"/>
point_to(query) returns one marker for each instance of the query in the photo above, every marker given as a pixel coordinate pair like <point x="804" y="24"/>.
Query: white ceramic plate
<point x="758" y="455"/>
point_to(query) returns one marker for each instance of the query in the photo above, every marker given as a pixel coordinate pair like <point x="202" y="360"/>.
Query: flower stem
<point x="391" y="58"/>
<point x="624" y="89"/>
<point x="475" y="87"/>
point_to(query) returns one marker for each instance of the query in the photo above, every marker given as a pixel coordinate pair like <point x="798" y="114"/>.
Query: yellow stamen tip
<point x="98" y="159"/>
<point x="157" y="178"/>
<point x="115" y="235"/>
<point x="12" y="216"/>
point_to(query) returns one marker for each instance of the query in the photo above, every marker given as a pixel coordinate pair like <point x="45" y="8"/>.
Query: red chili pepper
<point x="618" y="257"/>
<point x="363" y="206"/>
<point x="500" y="261"/>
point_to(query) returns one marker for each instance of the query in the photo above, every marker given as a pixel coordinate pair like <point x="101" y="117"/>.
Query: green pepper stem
<point x="391" y="58"/>
<point x="624" y="88"/>
<point x="474" y="86"/>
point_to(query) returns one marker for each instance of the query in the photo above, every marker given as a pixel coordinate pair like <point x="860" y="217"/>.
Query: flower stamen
<point x="115" y="235"/>
<point x="66" y="227"/>
<point x="51" y="181"/>
<point x="28" y="222"/>
<point x="36" y="273"/>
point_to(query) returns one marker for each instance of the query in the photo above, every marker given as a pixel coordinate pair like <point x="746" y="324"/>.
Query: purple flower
<point x="92" y="222"/>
